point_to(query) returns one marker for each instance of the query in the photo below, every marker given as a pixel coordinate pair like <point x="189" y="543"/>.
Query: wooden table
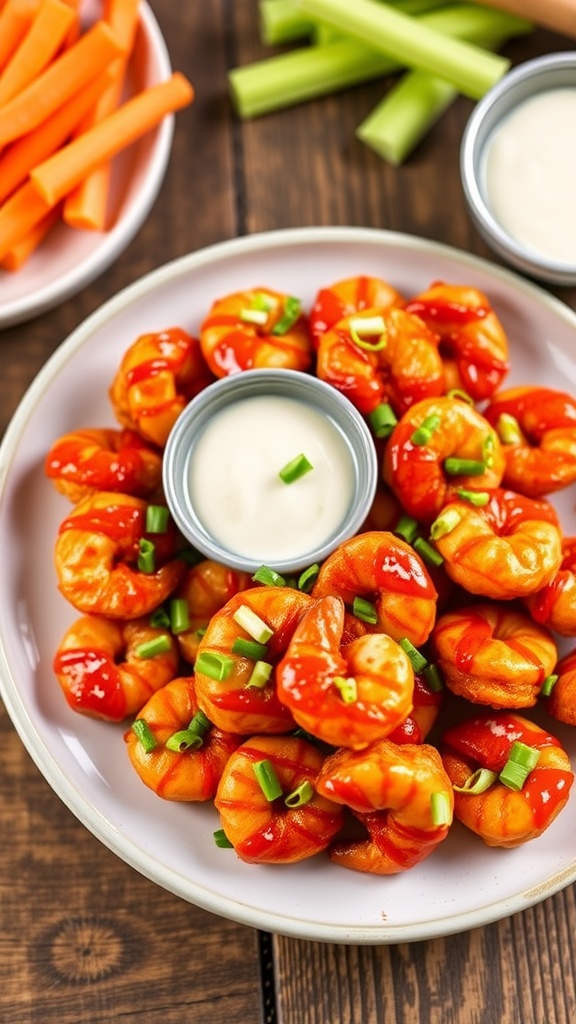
<point x="83" y="937"/>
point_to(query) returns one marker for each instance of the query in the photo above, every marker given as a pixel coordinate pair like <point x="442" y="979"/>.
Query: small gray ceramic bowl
<point x="287" y="383"/>
<point x="556" y="70"/>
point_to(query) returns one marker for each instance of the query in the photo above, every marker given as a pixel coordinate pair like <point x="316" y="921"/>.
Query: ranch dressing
<point x="235" y="486"/>
<point x="531" y="174"/>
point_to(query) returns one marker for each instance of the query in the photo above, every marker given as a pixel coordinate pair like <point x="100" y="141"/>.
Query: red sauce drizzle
<point x="93" y="682"/>
<point x="119" y="522"/>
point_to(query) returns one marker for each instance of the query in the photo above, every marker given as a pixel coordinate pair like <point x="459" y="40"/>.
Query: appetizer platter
<point x="342" y="888"/>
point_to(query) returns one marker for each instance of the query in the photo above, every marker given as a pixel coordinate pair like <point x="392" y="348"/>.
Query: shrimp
<point x="206" y="588"/>
<point x="157" y="377"/>
<point x="554" y="605"/>
<point x="502" y="816"/>
<point x="393" y="790"/>
<point x="439" y="447"/>
<point x="348" y="296"/>
<point x="473" y="343"/>
<point x="229" y="694"/>
<point x="175" y="760"/>
<point x="538" y="429"/>
<point x="492" y="654"/>
<point x="346" y="695"/>
<point x="387" y="573"/>
<point x="96" y="558"/>
<point x="288" y="828"/>
<point x="508" y="548"/>
<point x="86" y="461"/>
<point x="104" y="670"/>
<point x="561" y="703"/>
<point x="253" y="329"/>
<point x="399" y="366"/>
<point x="426" y="707"/>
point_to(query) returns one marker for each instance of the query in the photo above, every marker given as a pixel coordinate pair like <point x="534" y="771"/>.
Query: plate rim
<point x="102" y="829"/>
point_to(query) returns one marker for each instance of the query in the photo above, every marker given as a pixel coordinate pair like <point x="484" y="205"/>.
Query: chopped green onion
<point x="478" y="782"/>
<point x="157" y="519"/>
<point x="423" y="434"/>
<point x="364" y="610"/>
<point x="477" y="498"/>
<point x="267" y="779"/>
<point x="190" y="738"/>
<point x="307" y="579"/>
<point x="440" y="809"/>
<point x="521" y="760"/>
<point x="160" y="619"/>
<point x="258" y="317"/>
<point x="433" y="677"/>
<point x="268" y="577"/>
<point x="467" y="67"/>
<point x="407" y="528"/>
<point x="221" y="840"/>
<point x="150" y="648"/>
<point x="382" y="419"/>
<point x="144" y="733"/>
<point x="262" y="301"/>
<point x="488" y="445"/>
<point x="290" y="314"/>
<point x="548" y="685"/>
<point x="368" y="327"/>
<point x="215" y="666"/>
<point x="445" y="523"/>
<point x="294" y="469"/>
<point x="347" y="688"/>
<point x="146" y="561"/>
<point x="427" y="552"/>
<point x="179" y="615"/>
<point x="508" y="429"/>
<point x="462" y="395"/>
<point x="301" y="795"/>
<point x="260" y="675"/>
<point x="249" y="648"/>
<point x="252" y="624"/>
<point x="464" y="467"/>
<point x="417" y="660"/>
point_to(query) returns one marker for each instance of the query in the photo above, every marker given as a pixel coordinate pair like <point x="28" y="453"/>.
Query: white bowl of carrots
<point x="87" y="98"/>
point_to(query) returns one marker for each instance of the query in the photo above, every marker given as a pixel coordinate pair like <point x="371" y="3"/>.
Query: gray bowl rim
<point x="556" y="270"/>
<point x="365" y="466"/>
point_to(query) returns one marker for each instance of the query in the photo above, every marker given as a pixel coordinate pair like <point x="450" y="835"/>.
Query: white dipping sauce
<point x="236" y="490"/>
<point x="531" y="174"/>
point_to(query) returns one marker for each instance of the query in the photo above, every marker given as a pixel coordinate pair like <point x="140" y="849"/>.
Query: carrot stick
<point x="19" y="215"/>
<point x="22" y="250"/>
<point x="18" y="159"/>
<point x="38" y="48"/>
<point x="15" y="20"/>
<point x="86" y="206"/>
<point x="86" y="59"/>
<point x="54" y="178"/>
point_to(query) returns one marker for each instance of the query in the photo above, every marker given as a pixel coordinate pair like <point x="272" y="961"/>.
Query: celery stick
<point x="414" y="105"/>
<point x="283" y="80"/>
<point x="469" y="68"/>
<point x="291" y="78"/>
<point x="282" y="22"/>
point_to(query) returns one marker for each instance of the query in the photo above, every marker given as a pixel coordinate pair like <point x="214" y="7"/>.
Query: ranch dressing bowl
<point x="518" y="168"/>
<point x="269" y="467"/>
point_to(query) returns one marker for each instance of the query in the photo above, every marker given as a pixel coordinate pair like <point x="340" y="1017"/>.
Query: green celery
<point x="407" y="40"/>
<point x="303" y="74"/>
<point x="282" y="22"/>
<point x="414" y="105"/>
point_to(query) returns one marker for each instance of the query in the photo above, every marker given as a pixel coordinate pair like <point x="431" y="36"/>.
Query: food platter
<point x="463" y="884"/>
<point x="69" y="259"/>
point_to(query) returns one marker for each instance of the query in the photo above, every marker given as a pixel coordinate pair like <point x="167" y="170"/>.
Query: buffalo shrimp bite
<point x="554" y="606"/>
<point x="101" y="459"/>
<point x="510" y="777"/>
<point x="348" y="296"/>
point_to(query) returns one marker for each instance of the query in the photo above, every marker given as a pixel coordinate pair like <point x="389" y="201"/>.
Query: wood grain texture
<point x="84" y="938"/>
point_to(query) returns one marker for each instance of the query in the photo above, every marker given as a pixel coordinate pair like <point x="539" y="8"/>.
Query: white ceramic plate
<point x="464" y="884"/>
<point x="68" y="259"/>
